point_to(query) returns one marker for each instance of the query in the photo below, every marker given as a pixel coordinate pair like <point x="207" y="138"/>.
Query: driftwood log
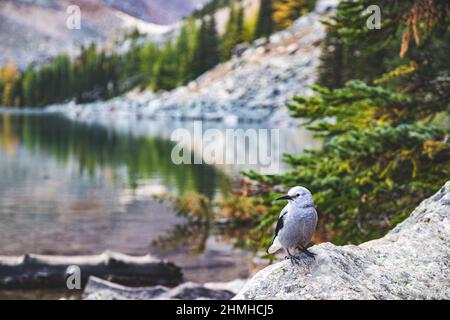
<point x="32" y="271"/>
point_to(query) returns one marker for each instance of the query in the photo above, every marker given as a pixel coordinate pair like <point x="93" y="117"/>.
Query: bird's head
<point x="299" y="196"/>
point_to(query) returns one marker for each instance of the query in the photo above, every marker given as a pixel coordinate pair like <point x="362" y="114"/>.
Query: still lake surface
<point x="70" y="187"/>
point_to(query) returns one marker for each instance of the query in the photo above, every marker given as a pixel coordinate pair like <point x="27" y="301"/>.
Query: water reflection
<point x="8" y="140"/>
<point x="94" y="148"/>
<point x="68" y="187"/>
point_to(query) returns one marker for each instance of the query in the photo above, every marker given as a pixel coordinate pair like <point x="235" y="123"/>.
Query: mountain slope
<point x="35" y="30"/>
<point x="157" y="11"/>
<point x="253" y="86"/>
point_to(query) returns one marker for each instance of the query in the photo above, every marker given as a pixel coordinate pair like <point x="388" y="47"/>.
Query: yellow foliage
<point x="397" y="72"/>
<point x="8" y="140"/>
<point x="8" y="76"/>
<point x="389" y="183"/>
<point x="286" y="11"/>
<point x="431" y="148"/>
<point x="9" y="73"/>
<point x="239" y="208"/>
<point x="194" y="203"/>
<point x="422" y="15"/>
<point x="344" y="166"/>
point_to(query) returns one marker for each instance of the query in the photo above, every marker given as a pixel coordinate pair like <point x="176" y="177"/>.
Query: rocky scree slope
<point x="253" y="86"/>
<point x="34" y="31"/>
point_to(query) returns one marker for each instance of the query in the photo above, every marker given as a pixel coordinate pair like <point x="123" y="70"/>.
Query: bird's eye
<point x="298" y="194"/>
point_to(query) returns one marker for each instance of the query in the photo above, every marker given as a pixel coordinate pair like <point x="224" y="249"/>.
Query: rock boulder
<point x="411" y="262"/>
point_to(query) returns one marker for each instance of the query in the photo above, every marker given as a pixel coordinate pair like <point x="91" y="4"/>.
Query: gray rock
<point x="259" y="42"/>
<point x="411" y="262"/>
<point x="240" y="49"/>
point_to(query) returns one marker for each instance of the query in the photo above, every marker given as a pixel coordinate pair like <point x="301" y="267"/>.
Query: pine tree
<point x="206" y="50"/>
<point x="212" y="43"/>
<point x="148" y="56"/>
<point x="29" y="85"/>
<point x="331" y="68"/>
<point x="198" y="56"/>
<point x="183" y="53"/>
<point x="384" y="151"/>
<point x="234" y="31"/>
<point x="264" y="23"/>
<point x="229" y="38"/>
<point x="165" y="70"/>
<point x="240" y="27"/>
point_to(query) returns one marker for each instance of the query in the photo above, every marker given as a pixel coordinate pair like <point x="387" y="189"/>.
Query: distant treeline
<point x="103" y="73"/>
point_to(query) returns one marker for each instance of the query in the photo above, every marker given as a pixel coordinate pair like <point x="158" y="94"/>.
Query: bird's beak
<point x="286" y="197"/>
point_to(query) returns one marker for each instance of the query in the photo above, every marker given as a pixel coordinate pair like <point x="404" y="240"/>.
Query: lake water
<point x="69" y="187"/>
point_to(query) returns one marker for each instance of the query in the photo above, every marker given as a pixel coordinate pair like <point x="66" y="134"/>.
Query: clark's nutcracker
<point x="296" y="224"/>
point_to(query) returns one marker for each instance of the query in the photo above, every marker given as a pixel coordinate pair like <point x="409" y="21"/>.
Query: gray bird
<point x="296" y="224"/>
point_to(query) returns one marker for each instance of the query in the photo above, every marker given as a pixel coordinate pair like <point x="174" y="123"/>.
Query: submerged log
<point x="99" y="289"/>
<point x="32" y="271"/>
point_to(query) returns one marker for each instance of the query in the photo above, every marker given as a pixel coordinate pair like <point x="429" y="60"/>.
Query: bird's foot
<point x="310" y="254"/>
<point x="294" y="260"/>
<point x="307" y="252"/>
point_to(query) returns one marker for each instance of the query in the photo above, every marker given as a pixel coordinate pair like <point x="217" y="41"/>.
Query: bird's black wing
<point x="278" y="227"/>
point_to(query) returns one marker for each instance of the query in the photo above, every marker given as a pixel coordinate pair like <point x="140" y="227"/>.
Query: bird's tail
<point x="276" y="245"/>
